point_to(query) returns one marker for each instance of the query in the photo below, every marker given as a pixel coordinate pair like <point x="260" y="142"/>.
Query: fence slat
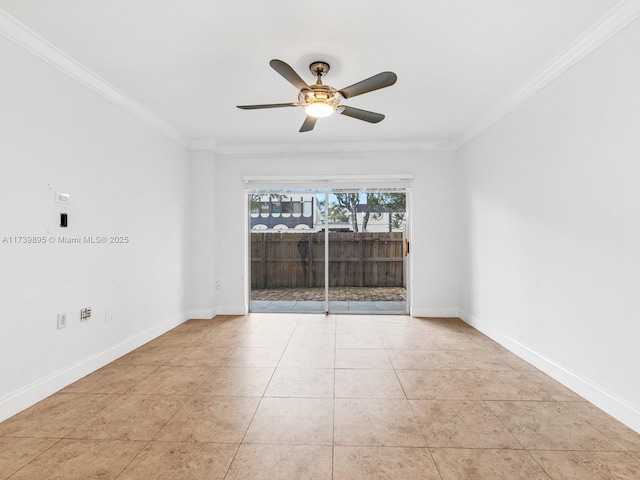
<point x="296" y="260"/>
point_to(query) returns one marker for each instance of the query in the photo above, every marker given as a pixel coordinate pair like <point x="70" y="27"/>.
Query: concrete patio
<point x="383" y="300"/>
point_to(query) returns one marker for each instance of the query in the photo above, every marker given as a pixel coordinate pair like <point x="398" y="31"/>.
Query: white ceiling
<point x="192" y="61"/>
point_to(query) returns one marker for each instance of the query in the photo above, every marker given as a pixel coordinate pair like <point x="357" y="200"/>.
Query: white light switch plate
<point x="63" y="197"/>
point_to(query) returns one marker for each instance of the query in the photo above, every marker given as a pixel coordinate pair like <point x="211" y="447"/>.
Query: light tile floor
<point x="294" y="396"/>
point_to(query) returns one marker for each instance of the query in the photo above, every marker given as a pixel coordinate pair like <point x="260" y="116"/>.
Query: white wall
<point x="543" y="207"/>
<point x="124" y="179"/>
<point x="434" y="220"/>
<point x="202" y="298"/>
<point x="552" y="228"/>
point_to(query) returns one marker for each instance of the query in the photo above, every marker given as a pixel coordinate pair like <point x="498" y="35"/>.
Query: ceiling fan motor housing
<point x="319" y="93"/>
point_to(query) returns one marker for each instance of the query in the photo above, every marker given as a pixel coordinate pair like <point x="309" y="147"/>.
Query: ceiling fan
<point x="321" y="100"/>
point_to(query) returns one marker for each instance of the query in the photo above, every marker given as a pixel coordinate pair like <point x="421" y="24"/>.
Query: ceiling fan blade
<point x="288" y="73"/>
<point x="268" y="105"/>
<point x="381" y="80"/>
<point x="367" y="116"/>
<point x="308" y="124"/>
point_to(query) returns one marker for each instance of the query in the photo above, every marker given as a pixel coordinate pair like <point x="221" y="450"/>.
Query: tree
<point x="345" y="209"/>
<point x="398" y="221"/>
<point x="256" y="200"/>
<point x="350" y="202"/>
<point x="397" y="203"/>
<point x="337" y="214"/>
<point x="375" y="203"/>
<point x="393" y="203"/>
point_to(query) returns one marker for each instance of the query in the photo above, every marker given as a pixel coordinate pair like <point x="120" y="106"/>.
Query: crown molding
<point x="202" y="144"/>
<point x="281" y="149"/>
<point x="23" y="36"/>
<point x="615" y="20"/>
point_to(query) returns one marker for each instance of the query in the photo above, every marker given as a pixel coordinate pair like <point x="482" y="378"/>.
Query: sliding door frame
<point x="326" y="183"/>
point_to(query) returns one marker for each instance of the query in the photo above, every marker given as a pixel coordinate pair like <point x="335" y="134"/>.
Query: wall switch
<point x="63" y="197"/>
<point x="108" y="315"/>
<point x="62" y="320"/>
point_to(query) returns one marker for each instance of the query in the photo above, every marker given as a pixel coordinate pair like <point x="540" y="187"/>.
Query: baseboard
<point x="232" y="310"/>
<point x="39" y="390"/>
<point x="443" y="312"/>
<point x="595" y="394"/>
<point x="202" y="313"/>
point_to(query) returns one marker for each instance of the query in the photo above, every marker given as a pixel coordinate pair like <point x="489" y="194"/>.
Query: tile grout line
<point x="134" y="457"/>
<point x="333" y="423"/>
<point x="539" y="465"/>
<point x="226" y="473"/>
<point x="578" y="414"/>
<point x="170" y="417"/>
<point x="116" y="397"/>
<point x="260" y="402"/>
<point x="36" y="457"/>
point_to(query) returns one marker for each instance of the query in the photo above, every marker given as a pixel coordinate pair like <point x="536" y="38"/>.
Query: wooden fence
<point x="296" y="260"/>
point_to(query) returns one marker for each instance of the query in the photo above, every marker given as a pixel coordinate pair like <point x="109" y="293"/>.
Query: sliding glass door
<point x="287" y="250"/>
<point x="328" y="250"/>
<point x="367" y="265"/>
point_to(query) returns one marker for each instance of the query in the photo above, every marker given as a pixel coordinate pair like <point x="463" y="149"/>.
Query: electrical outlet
<point x="85" y="314"/>
<point x="218" y="285"/>
<point x="62" y="320"/>
<point x="451" y="288"/>
<point x="108" y="315"/>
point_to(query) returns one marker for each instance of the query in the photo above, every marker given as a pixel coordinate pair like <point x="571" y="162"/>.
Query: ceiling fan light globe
<point x="318" y="110"/>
